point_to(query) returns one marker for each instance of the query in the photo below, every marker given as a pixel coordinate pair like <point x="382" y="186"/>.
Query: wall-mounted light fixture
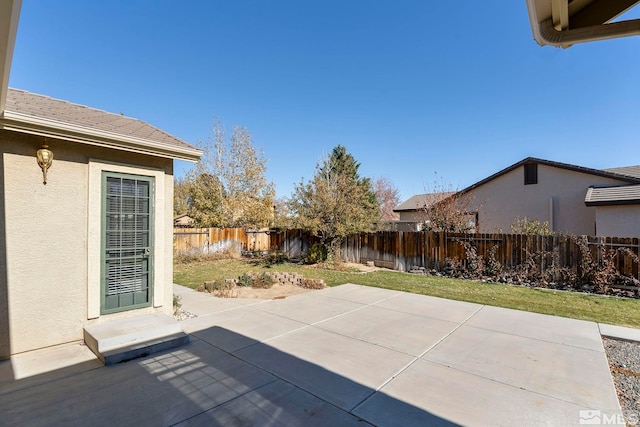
<point x="45" y="159"/>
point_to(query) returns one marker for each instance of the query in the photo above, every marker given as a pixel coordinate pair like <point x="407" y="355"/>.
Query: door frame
<point x="103" y="245"/>
<point x="162" y="248"/>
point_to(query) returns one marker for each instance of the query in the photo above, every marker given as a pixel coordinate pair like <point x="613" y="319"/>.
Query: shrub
<point x="275" y="257"/>
<point x="312" y="283"/>
<point x="531" y="226"/>
<point x="316" y="253"/>
<point x="492" y="267"/>
<point x="263" y="281"/>
<point x="245" y="280"/>
<point x="177" y="303"/>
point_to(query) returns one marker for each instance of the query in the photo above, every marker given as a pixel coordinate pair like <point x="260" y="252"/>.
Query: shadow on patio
<point x="199" y="384"/>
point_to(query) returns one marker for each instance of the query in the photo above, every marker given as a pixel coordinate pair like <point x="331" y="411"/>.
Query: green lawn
<point x="616" y="311"/>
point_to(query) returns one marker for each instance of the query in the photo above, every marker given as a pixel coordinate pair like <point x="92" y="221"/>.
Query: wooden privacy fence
<point x="213" y="240"/>
<point x="402" y="250"/>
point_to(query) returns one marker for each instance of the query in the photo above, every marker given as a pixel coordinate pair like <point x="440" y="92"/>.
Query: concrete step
<point x="125" y="339"/>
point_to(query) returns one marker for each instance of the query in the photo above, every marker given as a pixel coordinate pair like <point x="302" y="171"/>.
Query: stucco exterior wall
<point x="618" y="221"/>
<point x="558" y="197"/>
<point x="412" y="216"/>
<point x="48" y="286"/>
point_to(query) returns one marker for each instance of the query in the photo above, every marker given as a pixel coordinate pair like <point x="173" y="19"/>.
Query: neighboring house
<point x="91" y="240"/>
<point x="570" y="198"/>
<point x="183" y="221"/>
<point x="412" y="211"/>
<point x="617" y="209"/>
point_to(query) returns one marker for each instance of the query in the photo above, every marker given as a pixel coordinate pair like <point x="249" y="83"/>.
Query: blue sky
<point x="411" y="88"/>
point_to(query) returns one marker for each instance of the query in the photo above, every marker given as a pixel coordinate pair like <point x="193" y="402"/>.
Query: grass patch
<point x="616" y="311"/>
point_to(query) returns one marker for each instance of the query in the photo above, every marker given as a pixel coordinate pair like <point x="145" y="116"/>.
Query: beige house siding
<point x="48" y="293"/>
<point x="558" y="197"/>
<point x="618" y="221"/>
<point x="412" y="216"/>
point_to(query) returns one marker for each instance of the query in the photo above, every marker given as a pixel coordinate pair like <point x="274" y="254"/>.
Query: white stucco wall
<point x="618" y="221"/>
<point x="50" y="281"/>
<point x="500" y="201"/>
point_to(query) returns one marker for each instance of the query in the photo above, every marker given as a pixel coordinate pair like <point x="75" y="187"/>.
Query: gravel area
<point x="624" y="361"/>
<point x="180" y="315"/>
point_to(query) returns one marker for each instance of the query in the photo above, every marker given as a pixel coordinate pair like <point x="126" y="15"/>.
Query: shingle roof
<point x="607" y="173"/>
<point x="633" y="171"/>
<point x="613" y="195"/>
<point x="30" y="106"/>
<point x="420" y="201"/>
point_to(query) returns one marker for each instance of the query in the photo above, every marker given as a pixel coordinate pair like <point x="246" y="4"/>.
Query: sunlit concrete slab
<point x="568" y="373"/>
<point x="354" y="361"/>
<point x="276" y="404"/>
<point x="310" y="308"/>
<point x="578" y="333"/>
<point x="432" y="307"/>
<point x="235" y="329"/>
<point x="619" y="332"/>
<point x="404" y="332"/>
<point x="360" y="294"/>
<point x="158" y="390"/>
<point x="342" y="370"/>
<point x="432" y="394"/>
<point x="200" y="303"/>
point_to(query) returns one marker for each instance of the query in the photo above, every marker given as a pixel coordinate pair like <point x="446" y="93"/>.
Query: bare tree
<point x="447" y="209"/>
<point x="388" y="197"/>
<point x="240" y="187"/>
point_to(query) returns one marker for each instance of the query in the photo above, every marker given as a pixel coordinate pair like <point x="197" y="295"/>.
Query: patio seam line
<point x="319" y="321"/>
<point x="256" y="341"/>
<point x="584" y="405"/>
<point x="239" y="306"/>
<point x="408" y="365"/>
<point x="225" y="402"/>
<point x="422" y="315"/>
<point x="538" y="339"/>
<point x="362" y="306"/>
<point x="279" y="378"/>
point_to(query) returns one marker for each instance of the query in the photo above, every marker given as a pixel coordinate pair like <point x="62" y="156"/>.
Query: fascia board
<point x="55" y="129"/>
<point x="535" y="22"/>
<point x="9" y="17"/>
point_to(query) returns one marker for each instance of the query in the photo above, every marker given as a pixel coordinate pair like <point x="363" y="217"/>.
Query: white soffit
<point x="563" y="23"/>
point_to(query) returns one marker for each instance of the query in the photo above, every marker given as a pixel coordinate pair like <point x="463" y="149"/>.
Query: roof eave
<point x="613" y="202"/>
<point x="54" y="129"/>
<point x="574" y="168"/>
<point x="553" y="23"/>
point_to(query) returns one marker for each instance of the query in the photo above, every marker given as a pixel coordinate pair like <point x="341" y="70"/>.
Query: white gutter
<point x="545" y="33"/>
<point x="549" y="35"/>
<point x="85" y="135"/>
<point x="9" y="17"/>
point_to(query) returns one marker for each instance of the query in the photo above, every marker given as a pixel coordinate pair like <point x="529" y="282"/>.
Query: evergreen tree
<point x="337" y="202"/>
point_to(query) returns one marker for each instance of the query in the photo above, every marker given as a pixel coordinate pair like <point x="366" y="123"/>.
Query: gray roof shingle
<point x="420" y="201"/>
<point x="633" y="171"/>
<point x="51" y="109"/>
<point x="613" y="195"/>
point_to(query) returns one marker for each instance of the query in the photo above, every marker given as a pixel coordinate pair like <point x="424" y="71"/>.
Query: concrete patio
<point x="349" y="355"/>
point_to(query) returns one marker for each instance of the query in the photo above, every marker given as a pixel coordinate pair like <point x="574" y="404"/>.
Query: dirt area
<point x="279" y="291"/>
<point x="352" y="266"/>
